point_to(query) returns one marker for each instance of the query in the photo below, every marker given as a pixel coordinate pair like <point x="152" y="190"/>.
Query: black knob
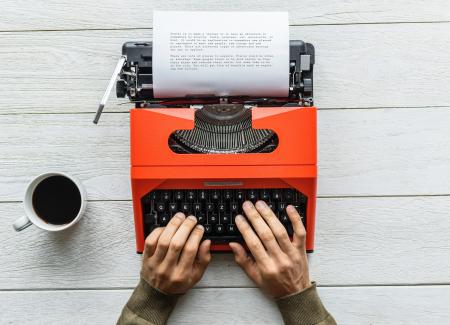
<point x="121" y="88"/>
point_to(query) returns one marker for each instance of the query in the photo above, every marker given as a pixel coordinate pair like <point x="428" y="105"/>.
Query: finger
<point x="203" y="259"/>
<point x="151" y="241"/>
<point x="166" y="236"/>
<point x="252" y="240"/>
<point x="297" y="224"/>
<point x="179" y="240"/>
<point x="261" y="227"/>
<point x="245" y="262"/>
<point x="190" y="250"/>
<point x="275" y="226"/>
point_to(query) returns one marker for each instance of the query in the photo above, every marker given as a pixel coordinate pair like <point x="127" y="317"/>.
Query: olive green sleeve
<point x="147" y="306"/>
<point x="304" y="308"/>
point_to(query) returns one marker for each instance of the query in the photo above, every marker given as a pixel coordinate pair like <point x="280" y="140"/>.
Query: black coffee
<point x="57" y="200"/>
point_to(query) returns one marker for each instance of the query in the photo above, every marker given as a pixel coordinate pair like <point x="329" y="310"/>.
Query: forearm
<point x="304" y="308"/>
<point x="147" y="306"/>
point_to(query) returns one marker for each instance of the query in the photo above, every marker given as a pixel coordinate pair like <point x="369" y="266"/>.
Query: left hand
<point x="174" y="260"/>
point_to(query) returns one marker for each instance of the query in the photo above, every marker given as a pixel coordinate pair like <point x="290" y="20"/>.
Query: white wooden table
<point x="382" y="83"/>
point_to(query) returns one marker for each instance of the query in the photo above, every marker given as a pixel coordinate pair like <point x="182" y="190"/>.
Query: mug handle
<point x="22" y="223"/>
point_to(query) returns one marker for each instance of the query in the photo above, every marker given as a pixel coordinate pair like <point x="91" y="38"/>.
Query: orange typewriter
<point x="205" y="156"/>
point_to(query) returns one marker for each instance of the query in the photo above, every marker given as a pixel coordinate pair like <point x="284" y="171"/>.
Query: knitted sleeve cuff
<point x="304" y="308"/>
<point x="151" y="304"/>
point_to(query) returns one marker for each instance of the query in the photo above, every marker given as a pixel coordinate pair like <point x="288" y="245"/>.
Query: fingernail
<point x="180" y="215"/>
<point x="290" y="208"/>
<point x="247" y="204"/>
<point x="192" y="218"/>
<point x="239" y="218"/>
<point x="199" y="227"/>
<point x="261" y="204"/>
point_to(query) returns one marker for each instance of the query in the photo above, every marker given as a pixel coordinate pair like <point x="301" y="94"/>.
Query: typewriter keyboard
<point x="216" y="209"/>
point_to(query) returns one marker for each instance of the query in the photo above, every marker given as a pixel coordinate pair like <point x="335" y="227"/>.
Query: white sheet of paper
<point x="205" y="53"/>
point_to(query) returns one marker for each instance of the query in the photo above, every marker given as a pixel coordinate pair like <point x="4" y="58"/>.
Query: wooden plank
<point x="361" y="152"/>
<point x="358" y="241"/>
<point x="384" y="152"/>
<point x="357" y="67"/>
<point x="97" y="154"/>
<point x="45" y="15"/>
<point x="358" y="305"/>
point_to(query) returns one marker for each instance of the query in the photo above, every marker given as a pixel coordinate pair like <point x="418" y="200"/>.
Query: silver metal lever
<point x="113" y="79"/>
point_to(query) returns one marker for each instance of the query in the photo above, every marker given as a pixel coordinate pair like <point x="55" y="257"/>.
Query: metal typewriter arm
<point x="116" y="73"/>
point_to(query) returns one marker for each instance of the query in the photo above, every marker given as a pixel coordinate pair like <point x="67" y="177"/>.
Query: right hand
<point x="174" y="259"/>
<point x="278" y="266"/>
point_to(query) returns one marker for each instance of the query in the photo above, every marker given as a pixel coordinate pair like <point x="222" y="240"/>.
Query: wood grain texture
<point x="60" y="15"/>
<point x="360" y="152"/>
<point x="357" y="66"/>
<point x="349" y="306"/>
<point x="358" y="241"/>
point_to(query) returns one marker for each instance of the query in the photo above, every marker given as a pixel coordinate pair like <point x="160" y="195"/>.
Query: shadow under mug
<point x="32" y="217"/>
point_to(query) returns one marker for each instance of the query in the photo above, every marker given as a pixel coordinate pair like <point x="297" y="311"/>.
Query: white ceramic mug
<point x="32" y="217"/>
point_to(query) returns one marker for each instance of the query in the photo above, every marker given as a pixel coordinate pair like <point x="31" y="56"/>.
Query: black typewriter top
<point x="136" y="80"/>
<point x="134" y="74"/>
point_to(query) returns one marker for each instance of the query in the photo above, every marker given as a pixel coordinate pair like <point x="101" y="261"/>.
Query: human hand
<point x="174" y="260"/>
<point x="278" y="266"/>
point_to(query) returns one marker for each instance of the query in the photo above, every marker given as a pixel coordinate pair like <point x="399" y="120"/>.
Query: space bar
<point x="224" y="239"/>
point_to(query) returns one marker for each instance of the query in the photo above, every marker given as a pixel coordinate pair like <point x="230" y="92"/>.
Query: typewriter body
<point x="205" y="156"/>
